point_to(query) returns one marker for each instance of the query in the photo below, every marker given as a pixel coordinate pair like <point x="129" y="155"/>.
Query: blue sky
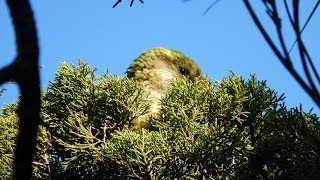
<point x="223" y="39"/>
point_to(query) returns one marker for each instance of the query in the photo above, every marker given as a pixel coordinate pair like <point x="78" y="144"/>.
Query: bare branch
<point x="301" y="45"/>
<point x="119" y="1"/>
<point x="314" y="70"/>
<point x="265" y="34"/>
<point x="286" y="61"/>
<point x="306" y="52"/>
<point x="277" y="21"/>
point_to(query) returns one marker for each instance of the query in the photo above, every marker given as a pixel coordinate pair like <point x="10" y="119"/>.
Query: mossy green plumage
<point x="155" y="68"/>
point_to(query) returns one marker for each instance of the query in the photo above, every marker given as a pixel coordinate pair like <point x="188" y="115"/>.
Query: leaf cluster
<point x="228" y="129"/>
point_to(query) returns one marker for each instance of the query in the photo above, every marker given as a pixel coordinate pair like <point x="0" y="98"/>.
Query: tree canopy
<point x="224" y="129"/>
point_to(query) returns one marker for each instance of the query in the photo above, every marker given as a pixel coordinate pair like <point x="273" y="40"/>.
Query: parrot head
<point x="155" y="69"/>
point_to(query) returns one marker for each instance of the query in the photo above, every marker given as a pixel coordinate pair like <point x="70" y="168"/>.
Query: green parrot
<point x="155" y="69"/>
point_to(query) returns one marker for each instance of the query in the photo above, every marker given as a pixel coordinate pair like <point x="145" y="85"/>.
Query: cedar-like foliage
<point x="8" y="138"/>
<point x="227" y="129"/>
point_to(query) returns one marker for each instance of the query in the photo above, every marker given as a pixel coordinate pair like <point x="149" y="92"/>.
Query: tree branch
<point x="286" y="61"/>
<point x="24" y="70"/>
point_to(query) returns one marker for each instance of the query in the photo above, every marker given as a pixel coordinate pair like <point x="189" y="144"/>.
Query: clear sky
<point x="223" y="39"/>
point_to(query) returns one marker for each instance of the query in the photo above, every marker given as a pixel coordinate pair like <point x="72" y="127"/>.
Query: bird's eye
<point x="183" y="71"/>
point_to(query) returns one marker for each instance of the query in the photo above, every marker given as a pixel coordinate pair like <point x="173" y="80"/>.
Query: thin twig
<point x="277" y="22"/>
<point x="305" y="24"/>
<point x="311" y="64"/>
<point x="119" y="1"/>
<point x="116" y="4"/>
<point x="208" y="9"/>
<point x="133" y="1"/>
<point x="264" y="33"/>
<point x="301" y="45"/>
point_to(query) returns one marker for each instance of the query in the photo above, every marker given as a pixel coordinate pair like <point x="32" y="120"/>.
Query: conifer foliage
<point x="227" y="129"/>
